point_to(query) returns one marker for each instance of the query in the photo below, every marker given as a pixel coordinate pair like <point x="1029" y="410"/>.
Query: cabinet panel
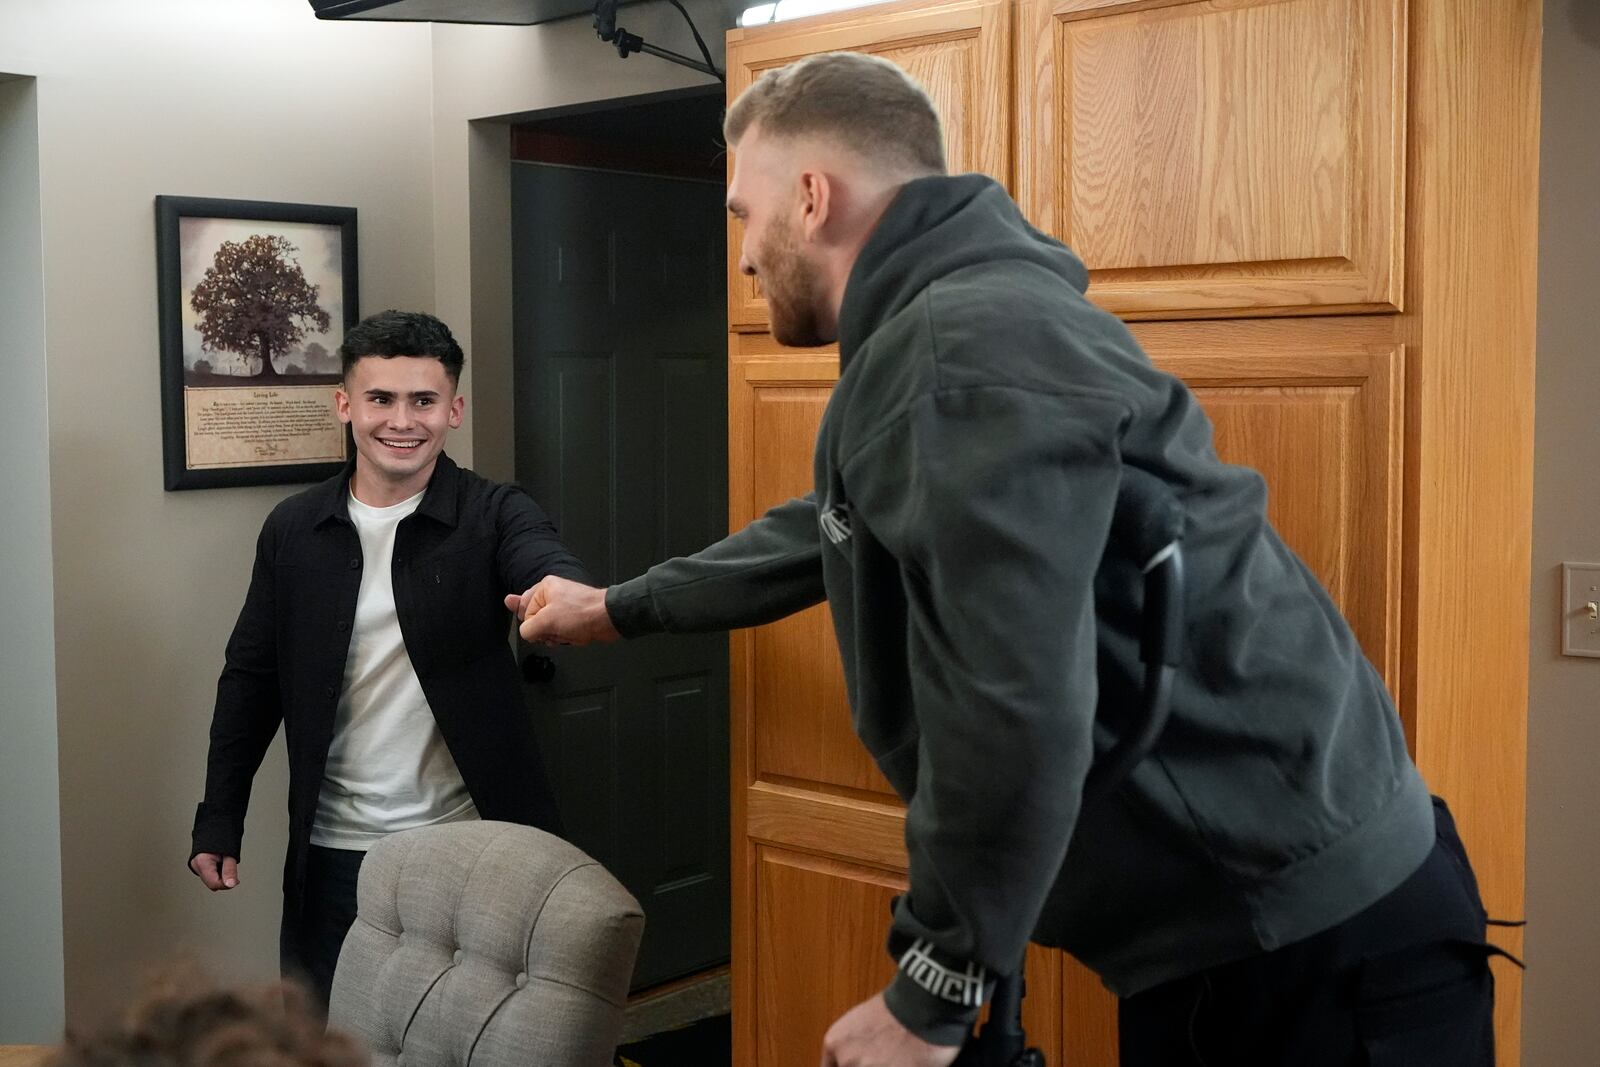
<point x="1323" y="426"/>
<point x="793" y="685"/>
<point x="1089" y="1010"/>
<point x="819" y="949"/>
<point x="805" y="982"/>
<point x="1218" y="158"/>
<point x="960" y="52"/>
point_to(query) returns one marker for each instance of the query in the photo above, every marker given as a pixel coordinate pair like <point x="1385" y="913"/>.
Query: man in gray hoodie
<point x="1274" y="883"/>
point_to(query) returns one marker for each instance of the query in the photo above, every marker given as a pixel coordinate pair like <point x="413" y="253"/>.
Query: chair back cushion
<point x="486" y="944"/>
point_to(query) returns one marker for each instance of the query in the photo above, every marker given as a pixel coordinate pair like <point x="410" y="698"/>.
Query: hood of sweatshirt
<point x="933" y="228"/>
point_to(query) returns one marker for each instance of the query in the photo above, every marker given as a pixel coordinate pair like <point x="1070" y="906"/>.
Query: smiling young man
<point x="375" y="630"/>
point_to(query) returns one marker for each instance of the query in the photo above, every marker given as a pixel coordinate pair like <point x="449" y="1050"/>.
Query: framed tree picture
<point x="255" y="298"/>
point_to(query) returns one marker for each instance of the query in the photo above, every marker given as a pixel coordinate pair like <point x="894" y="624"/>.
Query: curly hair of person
<point x="184" y="1019"/>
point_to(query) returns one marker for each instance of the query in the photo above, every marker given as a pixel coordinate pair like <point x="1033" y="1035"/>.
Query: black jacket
<point x="965" y="471"/>
<point x="470" y="542"/>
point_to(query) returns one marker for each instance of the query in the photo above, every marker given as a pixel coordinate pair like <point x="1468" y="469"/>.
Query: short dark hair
<point x="185" y="1020"/>
<point x="402" y="333"/>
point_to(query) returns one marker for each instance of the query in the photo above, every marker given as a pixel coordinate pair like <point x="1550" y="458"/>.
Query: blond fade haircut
<point x="865" y="104"/>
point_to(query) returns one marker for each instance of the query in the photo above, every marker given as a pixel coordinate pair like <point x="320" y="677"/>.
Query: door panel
<point x="960" y="51"/>
<point x="620" y="402"/>
<point x="1218" y="159"/>
<point x="579" y="389"/>
<point x="580" y="725"/>
<point x="1323" y="425"/>
<point x="1089" y="1016"/>
<point x="809" y="978"/>
<point x="801" y="727"/>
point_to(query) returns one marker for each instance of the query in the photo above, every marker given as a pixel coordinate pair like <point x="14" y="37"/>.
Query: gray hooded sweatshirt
<point x="966" y="468"/>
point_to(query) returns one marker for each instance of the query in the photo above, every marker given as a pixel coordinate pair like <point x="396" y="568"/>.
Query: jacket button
<point x="331" y="690"/>
<point x="355" y="563"/>
<point x="344" y="624"/>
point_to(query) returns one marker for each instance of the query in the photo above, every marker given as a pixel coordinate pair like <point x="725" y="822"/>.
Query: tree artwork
<point x="254" y="300"/>
<point x="319" y="360"/>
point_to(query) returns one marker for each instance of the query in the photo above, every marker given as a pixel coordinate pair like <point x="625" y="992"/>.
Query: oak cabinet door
<point x="1321" y="420"/>
<point x="789" y="678"/>
<point x="1211" y="158"/>
<point x="819" y="952"/>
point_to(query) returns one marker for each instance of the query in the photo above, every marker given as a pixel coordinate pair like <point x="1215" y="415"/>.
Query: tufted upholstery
<point x="488" y="944"/>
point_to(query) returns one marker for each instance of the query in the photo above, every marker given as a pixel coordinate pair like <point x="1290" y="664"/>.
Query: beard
<point x="793" y="290"/>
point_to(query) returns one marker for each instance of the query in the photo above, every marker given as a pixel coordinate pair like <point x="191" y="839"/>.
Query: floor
<point x="688" y="1025"/>
<point x="682" y="1004"/>
<point x="23" y="1055"/>
<point x="707" y="1043"/>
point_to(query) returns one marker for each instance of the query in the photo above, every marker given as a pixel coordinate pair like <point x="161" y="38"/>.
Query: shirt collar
<point x="440" y="501"/>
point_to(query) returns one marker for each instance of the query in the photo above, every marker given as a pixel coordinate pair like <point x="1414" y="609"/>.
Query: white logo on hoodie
<point x="835" y="522"/>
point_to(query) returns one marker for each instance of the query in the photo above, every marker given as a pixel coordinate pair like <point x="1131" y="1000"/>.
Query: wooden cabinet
<point x="1321" y="215"/>
<point x="1206" y="158"/>
<point x="819" y="947"/>
<point x="1319" y="413"/>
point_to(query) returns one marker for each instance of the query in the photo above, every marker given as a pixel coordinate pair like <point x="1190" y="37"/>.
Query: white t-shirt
<point x="388" y="767"/>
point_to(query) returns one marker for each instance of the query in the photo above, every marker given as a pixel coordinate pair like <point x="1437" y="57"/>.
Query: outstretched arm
<point x="769" y="569"/>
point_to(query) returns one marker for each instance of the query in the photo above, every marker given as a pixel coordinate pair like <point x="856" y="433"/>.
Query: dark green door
<point x="621" y="434"/>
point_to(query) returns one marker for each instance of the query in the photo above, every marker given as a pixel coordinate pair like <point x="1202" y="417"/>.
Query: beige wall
<point x="250" y="99"/>
<point x="30" y="834"/>
<point x="1561" y="1024"/>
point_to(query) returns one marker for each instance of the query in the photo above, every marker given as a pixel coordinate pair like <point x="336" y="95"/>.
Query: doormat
<point x="707" y="1043"/>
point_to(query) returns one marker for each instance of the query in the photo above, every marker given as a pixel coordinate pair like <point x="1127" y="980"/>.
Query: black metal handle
<point x="538" y="669"/>
<point x="1001" y="1042"/>
<point x="1147" y="516"/>
<point x="1148" y="526"/>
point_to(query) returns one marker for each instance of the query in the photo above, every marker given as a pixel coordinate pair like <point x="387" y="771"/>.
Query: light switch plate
<point x="1580" y="604"/>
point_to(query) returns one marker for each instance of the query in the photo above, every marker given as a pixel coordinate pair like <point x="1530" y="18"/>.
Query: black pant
<point x="1404" y="982"/>
<point x="309" y="942"/>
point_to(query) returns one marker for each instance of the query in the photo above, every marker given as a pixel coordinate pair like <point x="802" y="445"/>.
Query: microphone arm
<point x="606" y="28"/>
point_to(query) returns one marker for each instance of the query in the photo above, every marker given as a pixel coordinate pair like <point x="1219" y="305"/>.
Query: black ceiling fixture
<point x="519" y="13"/>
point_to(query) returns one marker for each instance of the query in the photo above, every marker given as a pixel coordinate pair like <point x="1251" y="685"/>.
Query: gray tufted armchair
<point x="486" y="944"/>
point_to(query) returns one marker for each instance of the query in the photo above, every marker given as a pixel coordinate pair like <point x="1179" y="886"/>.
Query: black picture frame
<point x="278" y="407"/>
